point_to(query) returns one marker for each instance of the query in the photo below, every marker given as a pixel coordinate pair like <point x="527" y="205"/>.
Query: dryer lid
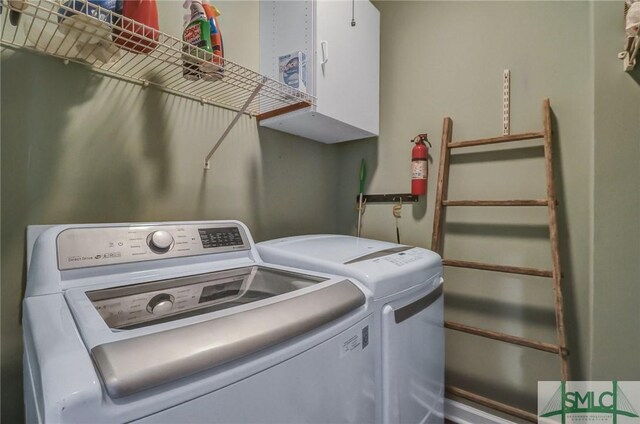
<point x="333" y="248"/>
<point x="386" y="268"/>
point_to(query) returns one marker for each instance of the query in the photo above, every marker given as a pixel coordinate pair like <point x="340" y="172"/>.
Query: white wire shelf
<point x="94" y="38"/>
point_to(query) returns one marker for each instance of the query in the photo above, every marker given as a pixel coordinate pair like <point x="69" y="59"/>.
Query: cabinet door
<point x="348" y="62"/>
<point x="286" y="27"/>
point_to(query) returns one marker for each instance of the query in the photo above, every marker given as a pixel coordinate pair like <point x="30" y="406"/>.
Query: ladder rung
<point x="498" y="406"/>
<point x="532" y="202"/>
<point x="498" y="268"/>
<point x="494" y="140"/>
<point x="507" y="338"/>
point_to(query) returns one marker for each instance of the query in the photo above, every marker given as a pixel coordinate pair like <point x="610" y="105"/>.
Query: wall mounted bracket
<point x="506" y="102"/>
<point x="389" y="198"/>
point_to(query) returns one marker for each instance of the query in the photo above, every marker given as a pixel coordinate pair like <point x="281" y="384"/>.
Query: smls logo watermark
<point x="581" y="402"/>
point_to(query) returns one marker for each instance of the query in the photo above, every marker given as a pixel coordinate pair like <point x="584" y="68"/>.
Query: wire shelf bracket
<point x="207" y="164"/>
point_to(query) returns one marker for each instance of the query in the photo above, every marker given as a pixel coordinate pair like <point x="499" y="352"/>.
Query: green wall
<point x="446" y="59"/>
<point x="64" y="160"/>
<point x="616" y="225"/>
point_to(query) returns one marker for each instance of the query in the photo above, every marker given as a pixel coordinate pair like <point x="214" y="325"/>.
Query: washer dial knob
<point x="160" y="304"/>
<point x="160" y="241"/>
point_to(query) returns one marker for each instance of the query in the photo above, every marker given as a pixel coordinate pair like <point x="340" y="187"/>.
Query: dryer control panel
<point x="95" y="246"/>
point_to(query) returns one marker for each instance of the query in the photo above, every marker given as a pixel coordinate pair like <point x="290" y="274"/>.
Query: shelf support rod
<point x="207" y="164"/>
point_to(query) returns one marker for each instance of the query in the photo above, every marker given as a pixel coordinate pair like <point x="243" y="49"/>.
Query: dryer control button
<point x="160" y="241"/>
<point x="160" y="304"/>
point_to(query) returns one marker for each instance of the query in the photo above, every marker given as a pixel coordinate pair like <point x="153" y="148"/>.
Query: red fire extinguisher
<point x="419" y="165"/>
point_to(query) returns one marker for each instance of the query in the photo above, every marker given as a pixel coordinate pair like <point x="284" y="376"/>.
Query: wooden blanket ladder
<point x="443" y="202"/>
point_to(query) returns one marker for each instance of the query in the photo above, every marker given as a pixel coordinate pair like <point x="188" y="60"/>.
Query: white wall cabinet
<point x="343" y="65"/>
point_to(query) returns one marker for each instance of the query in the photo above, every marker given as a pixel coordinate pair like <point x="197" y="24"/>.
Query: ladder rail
<point x="443" y="183"/>
<point x="553" y="235"/>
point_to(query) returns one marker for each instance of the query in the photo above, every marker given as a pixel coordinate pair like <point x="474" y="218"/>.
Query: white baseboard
<point x="464" y="414"/>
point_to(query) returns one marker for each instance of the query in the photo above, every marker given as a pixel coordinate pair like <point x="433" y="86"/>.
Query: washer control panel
<point x="95" y="246"/>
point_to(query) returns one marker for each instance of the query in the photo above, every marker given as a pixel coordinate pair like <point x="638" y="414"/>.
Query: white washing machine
<point x="406" y="283"/>
<point x="184" y="323"/>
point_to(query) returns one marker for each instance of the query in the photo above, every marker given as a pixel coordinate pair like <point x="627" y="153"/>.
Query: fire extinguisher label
<point x="419" y="170"/>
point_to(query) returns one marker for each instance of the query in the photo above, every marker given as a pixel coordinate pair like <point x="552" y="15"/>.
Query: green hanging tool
<point x="363" y="176"/>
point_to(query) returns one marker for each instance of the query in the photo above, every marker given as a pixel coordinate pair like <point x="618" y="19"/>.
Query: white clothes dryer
<point x="406" y="283"/>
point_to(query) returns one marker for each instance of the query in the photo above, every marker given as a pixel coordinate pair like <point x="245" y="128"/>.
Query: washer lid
<point x="130" y="365"/>
<point x="386" y="268"/>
